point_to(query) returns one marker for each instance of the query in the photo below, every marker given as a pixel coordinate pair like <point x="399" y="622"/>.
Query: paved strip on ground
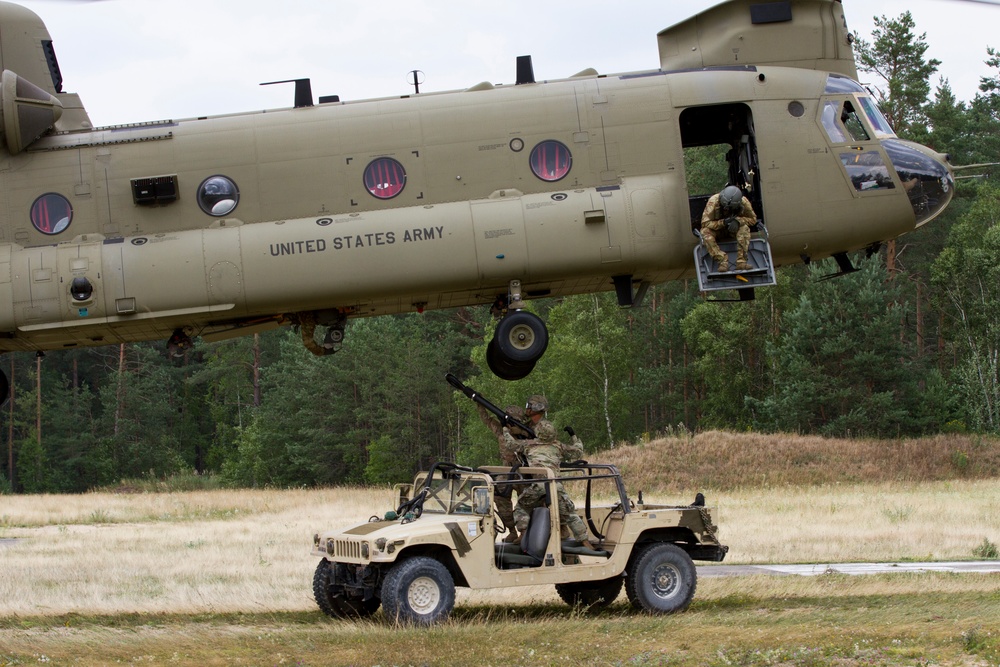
<point x="808" y="570"/>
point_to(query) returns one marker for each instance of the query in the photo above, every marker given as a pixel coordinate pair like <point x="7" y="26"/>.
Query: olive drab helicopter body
<point x="311" y="215"/>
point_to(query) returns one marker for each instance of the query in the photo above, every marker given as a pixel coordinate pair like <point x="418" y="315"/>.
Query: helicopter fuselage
<point x="468" y="208"/>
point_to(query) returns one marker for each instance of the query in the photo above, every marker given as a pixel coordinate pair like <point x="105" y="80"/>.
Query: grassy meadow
<point x="224" y="577"/>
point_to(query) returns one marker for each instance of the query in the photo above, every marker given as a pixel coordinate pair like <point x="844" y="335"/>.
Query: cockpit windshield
<point x="875" y="117"/>
<point x="838" y="84"/>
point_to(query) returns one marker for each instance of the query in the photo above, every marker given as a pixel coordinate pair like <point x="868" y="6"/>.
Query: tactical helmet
<point x="515" y="411"/>
<point x="731" y="199"/>
<point x="537" y="403"/>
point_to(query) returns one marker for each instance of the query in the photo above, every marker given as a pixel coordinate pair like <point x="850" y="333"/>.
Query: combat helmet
<point x="515" y="411"/>
<point x="731" y="200"/>
<point x="537" y="403"/>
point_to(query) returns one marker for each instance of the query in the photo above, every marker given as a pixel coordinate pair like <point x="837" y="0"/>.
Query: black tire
<point x="521" y="337"/>
<point x="661" y="579"/>
<point x="418" y="591"/>
<point x="593" y="594"/>
<point x="4" y="388"/>
<point x="321" y="590"/>
<point x="504" y="368"/>
<point x="333" y="600"/>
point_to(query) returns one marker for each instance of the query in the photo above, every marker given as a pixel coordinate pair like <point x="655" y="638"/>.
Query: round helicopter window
<point x="385" y="178"/>
<point x="551" y="160"/>
<point x="218" y="196"/>
<point x="51" y="213"/>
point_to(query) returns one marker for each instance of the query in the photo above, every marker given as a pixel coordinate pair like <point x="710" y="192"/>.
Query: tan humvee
<point x="444" y="533"/>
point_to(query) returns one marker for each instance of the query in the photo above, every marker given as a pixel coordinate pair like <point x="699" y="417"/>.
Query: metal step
<point x="758" y="256"/>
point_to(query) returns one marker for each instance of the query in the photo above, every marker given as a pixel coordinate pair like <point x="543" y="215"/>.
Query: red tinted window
<point x="550" y="160"/>
<point x="51" y="213"/>
<point x="385" y="178"/>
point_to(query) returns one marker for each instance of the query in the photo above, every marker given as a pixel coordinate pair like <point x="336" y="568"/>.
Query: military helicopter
<point x="496" y="194"/>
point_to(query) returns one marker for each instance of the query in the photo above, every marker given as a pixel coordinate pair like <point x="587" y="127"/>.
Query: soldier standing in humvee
<point x="545" y="451"/>
<point x="509" y="456"/>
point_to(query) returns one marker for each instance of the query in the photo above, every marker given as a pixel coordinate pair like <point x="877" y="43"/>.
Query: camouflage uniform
<point x="545" y="451"/>
<point x="713" y="224"/>
<point x="502" y="498"/>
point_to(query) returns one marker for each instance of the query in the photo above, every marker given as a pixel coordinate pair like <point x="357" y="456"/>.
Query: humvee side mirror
<point x="481" y="501"/>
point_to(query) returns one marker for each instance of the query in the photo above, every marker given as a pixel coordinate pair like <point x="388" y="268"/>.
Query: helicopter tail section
<point x="32" y="101"/>
<point x="811" y="34"/>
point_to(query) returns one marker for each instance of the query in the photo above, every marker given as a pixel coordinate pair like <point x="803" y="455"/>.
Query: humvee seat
<point x="576" y="548"/>
<point x="531" y="551"/>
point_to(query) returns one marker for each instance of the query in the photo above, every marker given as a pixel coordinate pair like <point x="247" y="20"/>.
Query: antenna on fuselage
<point x="303" y="91"/>
<point x="415" y="77"/>
<point x="525" y="70"/>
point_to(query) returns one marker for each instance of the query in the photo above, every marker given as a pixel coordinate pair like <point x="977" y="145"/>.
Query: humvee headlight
<point x="316" y="540"/>
<point x="380" y="543"/>
<point x="329" y="547"/>
<point x="364" y="550"/>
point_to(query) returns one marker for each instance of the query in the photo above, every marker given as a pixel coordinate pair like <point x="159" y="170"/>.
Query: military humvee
<point x="444" y="533"/>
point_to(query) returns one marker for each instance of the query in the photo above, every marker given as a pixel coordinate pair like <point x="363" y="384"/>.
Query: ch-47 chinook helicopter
<point x="496" y="194"/>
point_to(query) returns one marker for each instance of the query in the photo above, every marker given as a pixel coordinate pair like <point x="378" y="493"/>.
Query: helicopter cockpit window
<point x="218" y="196"/>
<point x="867" y="171"/>
<point x="849" y="117"/>
<point x="831" y="110"/>
<point x="550" y="160"/>
<point x="838" y="84"/>
<point x="51" y="213"/>
<point x="385" y="178"/>
<point x="876" y="118"/>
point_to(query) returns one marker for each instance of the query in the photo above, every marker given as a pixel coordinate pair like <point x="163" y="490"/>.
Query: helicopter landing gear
<point x="333" y="320"/>
<point x="519" y="341"/>
<point x="178" y="342"/>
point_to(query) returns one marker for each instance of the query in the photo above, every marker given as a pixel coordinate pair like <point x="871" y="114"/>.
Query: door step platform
<point x="761" y="273"/>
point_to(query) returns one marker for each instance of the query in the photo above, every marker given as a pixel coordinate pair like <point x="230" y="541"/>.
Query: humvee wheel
<point x="594" y="594"/>
<point x="337" y="604"/>
<point x="661" y="579"/>
<point x="418" y="590"/>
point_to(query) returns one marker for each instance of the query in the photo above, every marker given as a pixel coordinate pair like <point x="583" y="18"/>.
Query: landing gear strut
<point x="519" y="341"/>
<point x="335" y="322"/>
<point x="178" y="343"/>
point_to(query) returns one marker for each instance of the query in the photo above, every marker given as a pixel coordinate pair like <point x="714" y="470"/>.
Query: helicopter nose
<point x="926" y="177"/>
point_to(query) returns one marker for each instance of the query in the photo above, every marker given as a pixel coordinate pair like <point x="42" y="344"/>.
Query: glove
<point x="732" y="225"/>
<point x="569" y="431"/>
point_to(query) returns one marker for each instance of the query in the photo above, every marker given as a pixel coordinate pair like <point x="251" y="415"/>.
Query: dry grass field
<point x="224" y="577"/>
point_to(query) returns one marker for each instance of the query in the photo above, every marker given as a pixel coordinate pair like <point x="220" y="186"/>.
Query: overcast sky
<point x="141" y="60"/>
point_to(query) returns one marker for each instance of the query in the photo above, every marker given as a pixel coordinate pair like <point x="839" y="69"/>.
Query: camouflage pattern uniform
<point x="545" y="451"/>
<point x="502" y="498"/>
<point x="713" y="224"/>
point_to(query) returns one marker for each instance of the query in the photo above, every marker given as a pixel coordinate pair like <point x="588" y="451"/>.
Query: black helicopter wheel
<point x="502" y="367"/>
<point x="521" y="337"/>
<point x="4" y="388"/>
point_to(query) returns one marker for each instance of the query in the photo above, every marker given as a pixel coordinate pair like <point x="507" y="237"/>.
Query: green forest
<point x="906" y="346"/>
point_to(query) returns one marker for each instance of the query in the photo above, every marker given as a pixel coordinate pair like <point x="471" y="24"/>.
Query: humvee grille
<point x="347" y="549"/>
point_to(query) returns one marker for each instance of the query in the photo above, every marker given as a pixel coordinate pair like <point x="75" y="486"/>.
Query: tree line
<point x="907" y="345"/>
